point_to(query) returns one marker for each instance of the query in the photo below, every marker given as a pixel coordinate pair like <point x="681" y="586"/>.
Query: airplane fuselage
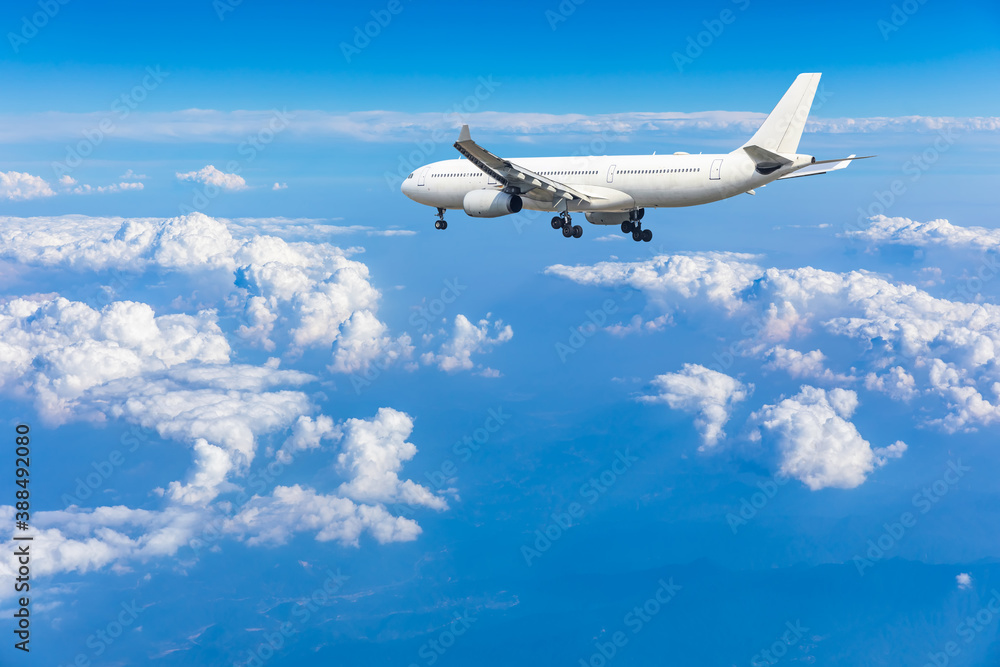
<point x="618" y="182"/>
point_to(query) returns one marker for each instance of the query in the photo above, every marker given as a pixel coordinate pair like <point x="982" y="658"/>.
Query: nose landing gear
<point x="440" y="222"/>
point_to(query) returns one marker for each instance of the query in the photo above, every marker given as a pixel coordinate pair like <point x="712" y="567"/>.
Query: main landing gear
<point x="634" y="227"/>
<point x="564" y="222"/>
<point x="440" y="222"/>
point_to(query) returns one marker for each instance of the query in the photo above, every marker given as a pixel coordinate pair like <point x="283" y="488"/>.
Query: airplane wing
<point x="530" y="184"/>
<point x="824" y="166"/>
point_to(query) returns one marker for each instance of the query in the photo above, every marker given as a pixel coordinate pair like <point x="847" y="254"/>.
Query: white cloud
<point x="19" y="186"/>
<point x="802" y="365"/>
<point x="273" y="519"/>
<point x="468" y="339"/>
<point x="209" y="175"/>
<point x="208" y="125"/>
<point x="280" y="186"/>
<point x="949" y="347"/>
<point x="321" y="296"/>
<point x="964" y="581"/>
<point x="816" y="443"/>
<point x="173" y="373"/>
<point x="57" y="350"/>
<point x="373" y="452"/>
<point x="130" y="175"/>
<point x="102" y="189"/>
<point x="707" y="393"/>
<point x="904" y="231"/>
<point x="308" y="434"/>
<point x="896" y="383"/>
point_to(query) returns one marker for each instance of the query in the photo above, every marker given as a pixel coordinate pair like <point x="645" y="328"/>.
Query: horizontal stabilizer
<point x="823" y="166"/>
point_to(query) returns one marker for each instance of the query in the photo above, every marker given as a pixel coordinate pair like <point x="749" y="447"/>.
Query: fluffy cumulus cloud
<point x="373" y="452"/>
<point x="210" y="175"/>
<point x="802" y="364"/>
<point x="930" y="345"/>
<point x="173" y="373"/>
<point x="321" y="296"/>
<point x="707" y="393"/>
<point x="307" y="434"/>
<point x="815" y="442"/>
<point x="16" y="185"/>
<point x="56" y="351"/>
<point x="274" y="518"/>
<point x="964" y="581"/>
<point x="467" y="339"/>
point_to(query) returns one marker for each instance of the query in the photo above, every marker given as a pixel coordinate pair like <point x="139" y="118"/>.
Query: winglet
<point x="464" y="134"/>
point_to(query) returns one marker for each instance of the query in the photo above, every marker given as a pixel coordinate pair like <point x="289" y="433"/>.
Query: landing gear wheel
<point x="556" y="222"/>
<point x="568" y="231"/>
<point x="444" y="225"/>
<point x="647" y="235"/>
<point x="437" y="224"/>
<point x="627" y="227"/>
<point x="577" y="231"/>
<point x="440" y="223"/>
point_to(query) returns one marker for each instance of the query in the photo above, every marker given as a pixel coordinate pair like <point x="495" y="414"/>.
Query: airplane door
<point x="716" y="173"/>
<point x="423" y="173"/>
<point x="611" y="174"/>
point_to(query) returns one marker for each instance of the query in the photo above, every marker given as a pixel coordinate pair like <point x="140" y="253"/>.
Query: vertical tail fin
<point x="783" y="127"/>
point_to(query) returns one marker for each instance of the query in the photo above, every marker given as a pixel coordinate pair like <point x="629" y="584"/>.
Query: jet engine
<point x="490" y="203"/>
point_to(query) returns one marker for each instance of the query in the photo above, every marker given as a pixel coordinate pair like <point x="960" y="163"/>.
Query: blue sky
<point x="279" y="419"/>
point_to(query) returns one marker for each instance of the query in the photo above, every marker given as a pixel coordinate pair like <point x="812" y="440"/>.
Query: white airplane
<point x="616" y="190"/>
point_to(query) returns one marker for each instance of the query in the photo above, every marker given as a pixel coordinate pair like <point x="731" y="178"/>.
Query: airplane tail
<point x="782" y="129"/>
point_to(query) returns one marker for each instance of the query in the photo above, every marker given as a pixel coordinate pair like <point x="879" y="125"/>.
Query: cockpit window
<point x="410" y="176"/>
